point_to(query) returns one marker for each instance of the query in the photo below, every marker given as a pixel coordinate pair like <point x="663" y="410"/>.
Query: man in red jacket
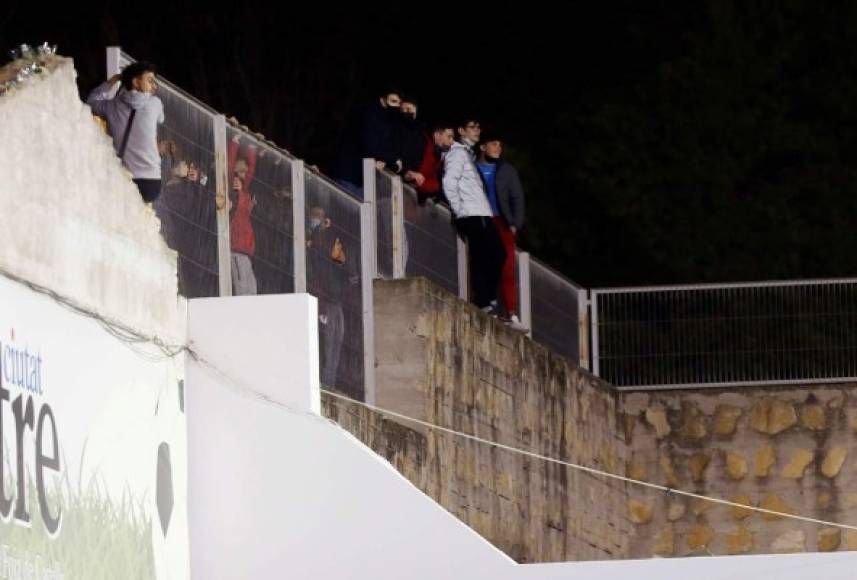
<point x="242" y="168"/>
<point x="427" y="178"/>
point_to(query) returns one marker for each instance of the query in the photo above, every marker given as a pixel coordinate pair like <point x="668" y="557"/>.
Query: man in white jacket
<point x="475" y="222"/>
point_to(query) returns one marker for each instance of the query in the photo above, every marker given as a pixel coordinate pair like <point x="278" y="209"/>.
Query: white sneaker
<point x="491" y="309"/>
<point x="515" y="324"/>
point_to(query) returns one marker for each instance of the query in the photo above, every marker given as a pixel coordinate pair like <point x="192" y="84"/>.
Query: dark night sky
<point x="659" y="141"/>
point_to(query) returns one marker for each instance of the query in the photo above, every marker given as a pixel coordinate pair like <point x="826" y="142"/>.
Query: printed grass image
<point x="99" y="539"/>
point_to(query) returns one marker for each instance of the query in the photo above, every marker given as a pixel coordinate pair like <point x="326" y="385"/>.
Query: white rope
<point x="589" y="470"/>
<point x="131" y="336"/>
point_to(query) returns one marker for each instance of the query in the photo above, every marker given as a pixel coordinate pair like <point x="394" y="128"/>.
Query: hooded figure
<point x="141" y="155"/>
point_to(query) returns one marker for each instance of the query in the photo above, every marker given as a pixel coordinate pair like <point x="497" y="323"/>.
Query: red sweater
<point x="241" y="235"/>
<point x="430" y="169"/>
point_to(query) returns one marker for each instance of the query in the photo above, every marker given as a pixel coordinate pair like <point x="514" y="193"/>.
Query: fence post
<point x="583" y="327"/>
<point x="224" y="250"/>
<point x="113" y="57"/>
<point x="299" y="224"/>
<point x="368" y="253"/>
<point x="463" y="283"/>
<point x="398" y="223"/>
<point x="369" y="196"/>
<point x="593" y="325"/>
<point x="524" y="291"/>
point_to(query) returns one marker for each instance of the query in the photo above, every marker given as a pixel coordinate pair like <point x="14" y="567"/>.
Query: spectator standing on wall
<point x="133" y="116"/>
<point x="241" y="164"/>
<point x="370" y="131"/>
<point x="426" y="178"/>
<point x="463" y="187"/>
<point x="506" y="197"/>
<point x="413" y="138"/>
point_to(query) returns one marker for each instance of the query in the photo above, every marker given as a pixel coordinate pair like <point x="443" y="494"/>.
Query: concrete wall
<point x="295" y="496"/>
<point x="440" y="360"/>
<point x="75" y="229"/>
<point x="72" y="218"/>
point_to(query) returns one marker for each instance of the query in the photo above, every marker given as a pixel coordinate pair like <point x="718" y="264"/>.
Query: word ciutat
<point x="22" y="371"/>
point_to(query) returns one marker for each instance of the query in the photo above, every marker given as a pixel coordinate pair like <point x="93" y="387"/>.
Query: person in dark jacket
<point x="370" y="131"/>
<point x="331" y="272"/>
<point x="506" y="196"/>
<point x="413" y="138"/>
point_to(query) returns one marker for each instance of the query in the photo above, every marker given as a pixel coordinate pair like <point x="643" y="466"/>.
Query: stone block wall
<point x="783" y="449"/>
<point x="442" y="361"/>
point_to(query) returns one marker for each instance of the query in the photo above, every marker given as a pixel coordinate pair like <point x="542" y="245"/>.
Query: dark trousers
<point x="150" y="189"/>
<point x="486" y="256"/>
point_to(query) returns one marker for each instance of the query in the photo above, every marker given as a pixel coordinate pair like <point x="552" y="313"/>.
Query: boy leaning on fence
<point x="133" y="116"/>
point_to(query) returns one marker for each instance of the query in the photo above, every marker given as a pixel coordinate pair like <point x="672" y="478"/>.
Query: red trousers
<point x="508" y="284"/>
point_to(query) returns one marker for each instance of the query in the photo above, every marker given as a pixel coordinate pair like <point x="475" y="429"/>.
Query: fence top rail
<point x="732" y="384"/>
<point x="309" y="173"/>
<point x="538" y="264"/>
<point x="270" y="145"/>
<point x="726" y="286"/>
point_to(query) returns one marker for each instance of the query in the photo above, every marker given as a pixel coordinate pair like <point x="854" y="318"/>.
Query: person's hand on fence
<point x="415" y="177"/>
<point x="167" y="147"/>
<point x="236" y="184"/>
<point x="220" y="201"/>
<point x="514" y="230"/>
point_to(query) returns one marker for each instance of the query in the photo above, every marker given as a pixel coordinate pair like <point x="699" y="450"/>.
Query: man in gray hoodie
<point x="133" y="116"/>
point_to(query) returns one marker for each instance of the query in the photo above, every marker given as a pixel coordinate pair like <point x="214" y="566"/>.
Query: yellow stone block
<point x="657" y="418"/>
<point x="765" y="458"/>
<point x="824" y="499"/>
<point x="692" y="427"/>
<point x="775" y="503"/>
<point x="700" y="536"/>
<point x="790" y="542"/>
<point x="638" y="472"/>
<point x="726" y="419"/>
<point x="736" y="465"/>
<point x="849" y="540"/>
<point x="665" y="542"/>
<point x="640" y="512"/>
<point x="829" y="539"/>
<point x="813" y="417"/>
<point x="740" y="541"/>
<point x="676" y="511"/>
<point x="669" y="472"/>
<point x="853" y="423"/>
<point x="801" y="458"/>
<point x="851" y="500"/>
<point x="700" y="506"/>
<point x="772" y="416"/>
<point x="740" y="513"/>
<point x="697" y="464"/>
<point x="834" y="459"/>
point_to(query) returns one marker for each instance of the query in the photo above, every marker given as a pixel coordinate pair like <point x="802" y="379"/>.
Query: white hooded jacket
<point x="463" y="185"/>
<point x="141" y="153"/>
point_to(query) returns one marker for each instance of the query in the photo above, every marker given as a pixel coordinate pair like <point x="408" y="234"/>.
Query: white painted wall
<point x="72" y="218"/>
<point x="278" y="492"/>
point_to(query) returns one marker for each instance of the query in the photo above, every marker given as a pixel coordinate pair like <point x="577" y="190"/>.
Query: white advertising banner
<point x="93" y="457"/>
